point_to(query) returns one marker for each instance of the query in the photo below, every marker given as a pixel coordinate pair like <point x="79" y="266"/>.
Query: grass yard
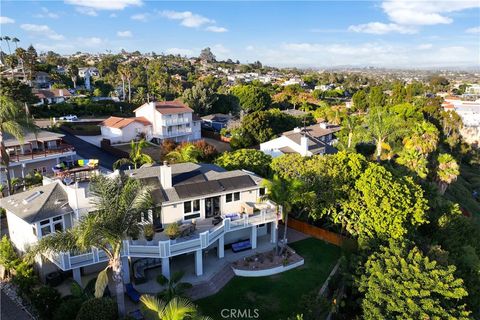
<point x="461" y="190"/>
<point x="276" y="297"/>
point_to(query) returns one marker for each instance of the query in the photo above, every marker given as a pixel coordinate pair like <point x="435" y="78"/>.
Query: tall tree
<point x="73" y="74"/>
<point x="207" y="55"/>
<point x="447" y="171"/>
<point x="185" y="153"/>
<point x="200" y="98"/>
<point x="119" y="201"/>
<point x="382" y="126"/>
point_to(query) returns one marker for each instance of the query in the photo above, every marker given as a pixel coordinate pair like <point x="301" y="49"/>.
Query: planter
<point x="267" y="272"/>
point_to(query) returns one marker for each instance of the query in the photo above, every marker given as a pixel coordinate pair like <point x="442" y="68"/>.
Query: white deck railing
<point x="166" y="248"/>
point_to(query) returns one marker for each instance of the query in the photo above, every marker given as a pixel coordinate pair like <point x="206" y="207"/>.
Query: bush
<point x="68" y="309"/>
<point x="8" y="256"/>
<point x="172" y="230"/>
<point x="24" y="278"/>
<point x="45" y="300"/>
<point x="98" y="309"/>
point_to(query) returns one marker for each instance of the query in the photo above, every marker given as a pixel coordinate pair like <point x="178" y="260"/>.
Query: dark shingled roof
<point x="39" y="203"/>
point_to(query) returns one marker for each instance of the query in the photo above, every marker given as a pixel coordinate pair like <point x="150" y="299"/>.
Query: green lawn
<point x="461" y="190"/>
<point x="276" y="297"/>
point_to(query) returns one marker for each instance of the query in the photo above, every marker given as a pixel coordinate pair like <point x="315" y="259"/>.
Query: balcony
<point x="175" y="133"/>
<point x="45" y="153"/>
<point x="175" y="121"/>
<point x="161" y="247"/>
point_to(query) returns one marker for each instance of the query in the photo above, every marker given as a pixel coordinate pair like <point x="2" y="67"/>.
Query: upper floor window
<point x="262" y="191"/>
<point x="229" y="197"/>
<point x="51" y="225"/>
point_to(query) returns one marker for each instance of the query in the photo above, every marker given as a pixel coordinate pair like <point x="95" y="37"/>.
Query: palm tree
<point x="14" y="123"/>
<point x="174" y="288"/>
<point x="7" y="39"/>
<point x="413" y="160"/>
<point x="122" y="72"/>
<point x="424" y="139"/>
<point x="350" y="123"/>
<point x="136" y="157"/>
<point x="284" y="193"/>
<point x="381" y="127"/>
<point x="119" y="201"/>
<point x="175" y="309"/>
<point x="185" y="153"/>
<point x="128" y="73"/>
<point x="447" y="171"/>
<point x="20" y="56"/>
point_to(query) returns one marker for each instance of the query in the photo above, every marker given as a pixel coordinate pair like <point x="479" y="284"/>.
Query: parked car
<point x="69" y="118"/>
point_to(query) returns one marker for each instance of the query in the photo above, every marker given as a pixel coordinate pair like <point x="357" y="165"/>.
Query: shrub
<point x="8" y="256"/>
<point x="148" y="231"/>
<point x="68" y="309"/>
<point x="45" y="300"/>
<point x="172" y="230"/>
<point x="98" y="309"/>
<point x="24" y="278"/>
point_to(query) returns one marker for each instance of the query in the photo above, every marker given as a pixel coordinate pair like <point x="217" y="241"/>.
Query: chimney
<point x="166" y="175"/>
<point x="304" y="145"/>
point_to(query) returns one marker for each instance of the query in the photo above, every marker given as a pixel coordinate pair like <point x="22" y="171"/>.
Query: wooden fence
<point x="316" y="232"/>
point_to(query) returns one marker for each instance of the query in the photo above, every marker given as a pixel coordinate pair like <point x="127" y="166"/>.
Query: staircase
<point x="213" y="285"/>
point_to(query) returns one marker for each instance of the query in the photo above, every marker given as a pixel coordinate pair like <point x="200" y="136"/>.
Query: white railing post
<point x="96" y="257"/>
<point x="226" y="222"/>
<point x="66" y="260"/>
<point x="126" y="247"/>
<point x="204" y="239"/>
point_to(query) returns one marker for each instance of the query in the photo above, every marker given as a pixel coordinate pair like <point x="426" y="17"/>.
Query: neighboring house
<point x="16" y="74"/>
<point x="87" y="74"/>
<point x="171" y="120"/>
<point x="325" y="87"/>
<point x="473" y="89"/>
<point x="214" y="208"/>
<point x="307" y="141"/>
<point x="216" y="122"/>
<point x="52" y="96"/>
<point x="469" y="111"/>
<point x="38" y="151"/>
<point x="294" y="81"/>
<point x="295" y="113"/>
<point x="41" y="80"/>
<point x="123" y="130"/>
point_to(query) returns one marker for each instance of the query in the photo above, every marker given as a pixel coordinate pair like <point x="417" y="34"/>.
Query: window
<point x="187" y="207"/>
<point x="192" y="216"/>
<point x="196" y="205"/>
<point x="191" y="209"/>
<point x="50" y="225"/>
<point x="262" y="191"/>
<point x="229" y="197"/>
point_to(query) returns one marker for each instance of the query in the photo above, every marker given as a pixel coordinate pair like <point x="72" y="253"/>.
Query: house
<point x="216" y="122"/>
<point x="122" y="130"/>
<point x="41" y="80"/>
<point x="307" y="141"/>
<point x="39" y="151"/>
<point x="51" y="96"/>
<point x="294" y="81"/>
<point x="170" y="120"/>
<point x="87" y="74"/>
<point x="469" y="111"/>
<point x="214" y="207"/>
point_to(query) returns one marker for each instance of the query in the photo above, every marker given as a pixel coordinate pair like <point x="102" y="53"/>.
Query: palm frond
<point x="120" y="162"/>
<point x="101" y="284"/>
<point x="153" y="304"/>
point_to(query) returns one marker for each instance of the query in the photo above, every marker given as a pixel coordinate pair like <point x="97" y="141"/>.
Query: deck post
<point x="198" y="262"/>
<point x="221" y="247"/>
<point x="273" y="231"/>
<point x="166" y="267"/>
<point x="77" y="276"/>
<point x="253" y="237"/>
<point x="126" y="270"/>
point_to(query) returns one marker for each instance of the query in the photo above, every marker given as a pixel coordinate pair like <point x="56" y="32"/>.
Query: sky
<point x="390" y="33"/>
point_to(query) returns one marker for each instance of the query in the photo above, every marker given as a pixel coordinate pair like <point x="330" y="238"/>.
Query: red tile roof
<point x="119" y="123"/>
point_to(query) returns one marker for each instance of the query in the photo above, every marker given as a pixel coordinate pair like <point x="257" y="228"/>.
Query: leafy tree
<point x="351" y="125"/>
<point x="414" y="161"/>
<point x="382" y="127"/>
<point x="175" y="309"/>
<point x="98" y="309"/>
<point x="360" y="100"/>
<point x="207" y="55"/>
<point x="200" y="98"/>
<point x="73" y="74"/>
<point x="248" y="159"/>
<point x="424" y="138"/>
<point x="252" y="98"/>
<point x="382" y="206"/>
<point x="17" y="91"/>
<point x="45" y="300"/>
<point x="376" y="97"/>
<point x="447" y="171"/>
<point x="401" y="283"/>
<point x="136" y="157"/>
<point x="398" y="94"/>
<point x="119" y="201"/>
<point x="13" y="122"/>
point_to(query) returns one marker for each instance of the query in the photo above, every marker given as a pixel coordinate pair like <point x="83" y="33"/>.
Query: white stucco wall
<point x="126" y="134"/>
<point x="272" y="147"/>
<point x="20" y="232"/>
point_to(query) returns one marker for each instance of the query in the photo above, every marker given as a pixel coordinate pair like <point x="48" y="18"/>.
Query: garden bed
<point x="267" y="263"/>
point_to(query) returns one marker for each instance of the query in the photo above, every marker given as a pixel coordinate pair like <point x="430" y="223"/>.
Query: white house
<point x="307" y="141"/>
<point x="469" y="111"/>
<point x="87" y="74"/>
<point x="123" y="130"/>
<point x="215" y="209"/>
<point x="52" y="96"/>
<point x="171" y="120"/>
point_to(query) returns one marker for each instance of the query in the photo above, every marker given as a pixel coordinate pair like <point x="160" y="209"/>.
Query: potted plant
<point x="148" y="231"/>
<point x="172" y="231"/>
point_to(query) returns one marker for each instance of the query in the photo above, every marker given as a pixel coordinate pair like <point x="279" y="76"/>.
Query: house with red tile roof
<point x="123" y="130"/>
<point x="171" y="120"/>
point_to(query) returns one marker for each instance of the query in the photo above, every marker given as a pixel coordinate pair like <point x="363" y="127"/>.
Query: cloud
<point x="5" y="20"/>
<point x="140" y="17"/>
<point x="54" y="47"/>
<point x="86" y="11"/>
<point x="105" y="4"/>
<point x="424" y="12"/>
<point x="216" y="29"/>
<point x="473" y="30"/>
<point x="187" y="18"/>
<point x="381" y="28"/>
<point x="45" y="13"/>
<point x="90" y="41"/>
<point x="41" y="31"/>
<point x="125" y="34"/>
<point x="425" y="46"/>
<point x="113" y="15"/>
<point x="180" y="51"/>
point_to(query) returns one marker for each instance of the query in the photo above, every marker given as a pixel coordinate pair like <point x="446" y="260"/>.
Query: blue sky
<point x="390" y="33"/>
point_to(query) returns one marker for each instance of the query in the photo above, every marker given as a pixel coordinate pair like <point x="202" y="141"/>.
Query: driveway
<point x="10" y="310"/>
<point x="86" y="150"/>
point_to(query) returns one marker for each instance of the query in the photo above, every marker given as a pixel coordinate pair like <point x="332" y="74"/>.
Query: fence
<point x="105" y="144"/>
<point x="316" y="232"/>
<point x="215" y="136"/>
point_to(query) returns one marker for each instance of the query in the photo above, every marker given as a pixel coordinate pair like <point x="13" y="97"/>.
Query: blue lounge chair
<point x="132" y="293"/>
<point x="241" y="246"/>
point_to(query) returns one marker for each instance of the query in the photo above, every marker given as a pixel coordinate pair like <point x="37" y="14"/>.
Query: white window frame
<point x="196" y="213"/>
<point x="50" y="224"/>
